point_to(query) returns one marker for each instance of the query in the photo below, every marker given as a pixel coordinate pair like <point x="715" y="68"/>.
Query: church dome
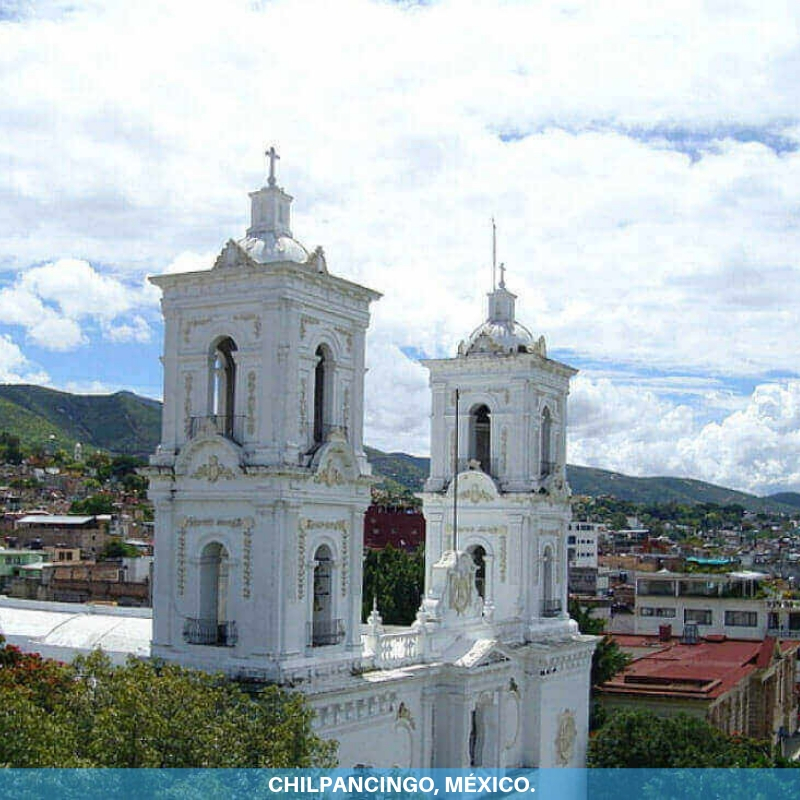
<point x="501" y="334"/>
<point x="269" y="248"/>
<point x="499" y="337"/>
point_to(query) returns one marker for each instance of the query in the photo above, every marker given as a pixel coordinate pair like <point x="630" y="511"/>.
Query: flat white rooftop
<point x="65" y="630"/>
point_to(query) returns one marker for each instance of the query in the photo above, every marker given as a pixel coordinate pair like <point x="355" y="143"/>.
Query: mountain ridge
<point x="127" y="423"/>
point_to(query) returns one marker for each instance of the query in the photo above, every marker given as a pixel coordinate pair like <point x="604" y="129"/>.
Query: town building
<point x="742" y="687"/>
<point x="90" y="534"/>
<point x="261" y="482"/>
<point x="14" y="563"/>
<point x="402" y="527"/>
<point x="728" y="603"/>
<point x="582" y="538"/>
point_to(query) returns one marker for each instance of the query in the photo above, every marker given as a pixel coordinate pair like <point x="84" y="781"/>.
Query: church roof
<point x="501" y="334"/>
<point x="65" y="630"/>
<point x="500" y="337"/>
<point x="269" y="248"/>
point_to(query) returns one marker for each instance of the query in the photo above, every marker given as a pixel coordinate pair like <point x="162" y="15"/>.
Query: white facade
<point x="727" y="604"/>
<point x="260" y="485"/>
<point x="582" y="543"/>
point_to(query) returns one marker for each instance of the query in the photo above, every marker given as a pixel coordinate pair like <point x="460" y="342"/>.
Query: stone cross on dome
<point x="272" y="155"/>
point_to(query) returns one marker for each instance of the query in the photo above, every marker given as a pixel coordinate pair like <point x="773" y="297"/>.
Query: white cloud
<point x="137" y="330"/>
<point x="648" y="213"/>
<point x="188" y="261"/>
<point x="51" y="301"/>
<point x="754" y="448"/>
<point x="15" y="368"/>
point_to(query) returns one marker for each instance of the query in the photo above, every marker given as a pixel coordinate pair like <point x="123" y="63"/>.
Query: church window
<point x="478" y="554"/>
<point x="212" y="626"/>
<point x="481" y="436"/>
<point x="474" y="755"/>
<point x="323" y="375"/>
<point x="325" y="629"/>
<point x="546" y="447"/>
<point x="223" y="386"/>
<point x="551" y="606"/>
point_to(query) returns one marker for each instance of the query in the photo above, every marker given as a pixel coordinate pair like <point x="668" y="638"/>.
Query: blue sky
<point x="642" y="164"/>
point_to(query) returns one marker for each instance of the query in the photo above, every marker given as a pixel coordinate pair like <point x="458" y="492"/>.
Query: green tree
<point x="116" y="548"/>
<point x="93" y="504"/>
<point x="396" y="579"/>
<point x="10" y="451"/>
<point x="641" y="739"/>
<point x="146" y="714"/>
<point x="608" y="659"/>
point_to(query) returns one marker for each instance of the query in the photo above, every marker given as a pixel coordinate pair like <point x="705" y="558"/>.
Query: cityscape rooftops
<point x="701" y="671"/>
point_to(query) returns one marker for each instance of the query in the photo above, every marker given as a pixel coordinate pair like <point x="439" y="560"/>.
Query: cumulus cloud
<point x="642" y="162"/>
<point x="15" y="367"/>
<point x="51" y="301"/>
<point x="755" y="448"/>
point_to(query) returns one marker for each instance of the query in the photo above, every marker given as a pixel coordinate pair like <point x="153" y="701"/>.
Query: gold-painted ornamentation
<point x="212" y="471"/>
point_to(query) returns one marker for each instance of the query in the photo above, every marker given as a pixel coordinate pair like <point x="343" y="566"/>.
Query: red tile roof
<point x="699" y="671"/>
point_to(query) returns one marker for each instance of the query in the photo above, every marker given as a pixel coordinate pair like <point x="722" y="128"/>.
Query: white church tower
<point x="512" y="509"/>
<point x="260" y="484"/>
<point x="260" y="481"/>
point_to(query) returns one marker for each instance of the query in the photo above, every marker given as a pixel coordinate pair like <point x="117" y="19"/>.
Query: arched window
<point x="478" y="554"/>
<point x="322" y="393"/>
<point x="546" y="446"/>
<point x="213" y="626"/>
<point x="550" y="605"/>
<point x="324" y="628"/>
<point x="223" y="385"/>
<point x="481" y="436"/>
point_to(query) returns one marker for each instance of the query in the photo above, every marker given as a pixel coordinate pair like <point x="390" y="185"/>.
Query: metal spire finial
<point x="272" y="155"/>
<point x="494" y="255"/>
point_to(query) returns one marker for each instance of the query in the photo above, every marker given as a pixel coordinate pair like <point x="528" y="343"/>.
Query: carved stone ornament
<point x="191" y="324"/>
<point x="475" y="495"/>
<point x="404" y="715"/>
<point x="303" y="413"/>
<point x="187" y="403"/>
<point x="330" y="476"/>
<point x="212" y="471"/>
<point x="251" y="402"/>
<point x="183" y="524"/>
<point x="461" y="583"/>
<point x="566" y="735"/>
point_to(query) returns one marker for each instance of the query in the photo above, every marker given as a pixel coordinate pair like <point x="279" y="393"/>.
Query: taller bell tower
<point x="260" y="481"/>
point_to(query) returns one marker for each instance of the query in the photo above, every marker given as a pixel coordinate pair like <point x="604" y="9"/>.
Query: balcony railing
<point x="325" y="632"/>
<point x="229" y="426"/>
<point x="551" y="608"/>
<point x="211" y="632"/>
<point x="783" y="633"/>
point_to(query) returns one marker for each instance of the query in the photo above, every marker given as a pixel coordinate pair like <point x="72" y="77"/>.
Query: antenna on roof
<point x="494" y="255"/>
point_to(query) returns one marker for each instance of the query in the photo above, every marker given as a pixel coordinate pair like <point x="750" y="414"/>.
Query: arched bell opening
<point x="480" y="437"/>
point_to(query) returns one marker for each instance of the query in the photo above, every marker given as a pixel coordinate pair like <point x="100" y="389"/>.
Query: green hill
<point x="127" y="423"/>
<point x="595" y="482"/>
<point x="786" y="498"/>
<point x="411" y="472"/>
<point x="121" y="422"/>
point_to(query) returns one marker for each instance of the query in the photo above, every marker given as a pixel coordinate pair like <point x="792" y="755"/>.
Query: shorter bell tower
<point x="498" y="440"/>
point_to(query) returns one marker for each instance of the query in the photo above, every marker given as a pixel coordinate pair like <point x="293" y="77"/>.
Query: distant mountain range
<point x="127" y="423"/>
<point x="121" y="423"/>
